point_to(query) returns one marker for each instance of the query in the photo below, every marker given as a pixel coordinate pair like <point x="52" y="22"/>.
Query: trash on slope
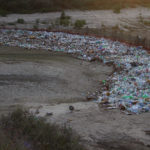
<point x="129" y="86"/>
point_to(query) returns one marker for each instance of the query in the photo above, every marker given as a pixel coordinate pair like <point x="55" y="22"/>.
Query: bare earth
<point x="38" y="76"/>
<point x="132" y="20"/>
<point x="47" y="82"/>
<point x="94" y="18"/>
<point x="102" y="129"/>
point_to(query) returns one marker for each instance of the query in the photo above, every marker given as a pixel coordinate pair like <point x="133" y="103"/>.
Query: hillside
<point x="31" y="6"/>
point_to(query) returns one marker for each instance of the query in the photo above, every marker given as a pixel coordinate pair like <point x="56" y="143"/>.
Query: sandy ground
<point x="45" y="77"/>
<point x="94" y="18"/>
<point x="48" y="83"/>
<point x="101" y="129"/>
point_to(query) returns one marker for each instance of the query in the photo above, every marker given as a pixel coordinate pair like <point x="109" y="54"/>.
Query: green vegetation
<point x="11" y="23"/>
<point x="143" y="21"/>
<point x="35" y="27"/>
<point x="64" y="20"/>
<point x="37" y="21"/>
<point x="44" y="22"/>
<point x="140" y="18"/>
<point x="147" y="23"/>
<point x="117" y="10"/>
<point x="31" y="6"/>
<point x="20" y="21"/>
<point x="21" y="130"/>
<point x="3" y="12"/>
<point x="79" y="24"/>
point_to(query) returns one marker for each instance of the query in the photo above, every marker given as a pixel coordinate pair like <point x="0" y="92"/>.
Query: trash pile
<point x="128" y="88"/>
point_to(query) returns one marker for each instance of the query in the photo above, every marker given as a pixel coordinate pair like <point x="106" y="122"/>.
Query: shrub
<point x="64" y="20"/>
<point x="117" y="9"/>
<point x="49" y="28"/>
<point x="11" y="23"/>
<point x="35" y="27"/>
<point x="63" y="15"/>
<point x="36" y="133"/>
<point x="37" y="21"/>
<point x="3" y="13"/>
<point x="44" y="22"/>
<point x="147" y="23"/>
<point x="79" y="24"/>
<point x="20" y="21"/>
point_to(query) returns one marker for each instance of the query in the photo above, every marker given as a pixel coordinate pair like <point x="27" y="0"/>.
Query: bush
<point x="116" y="10"/>
<point x="11" y="23"/>
<point x="64" y="20"/>
<point x="20" y="21"/>
<point x="44" y="22"/>
<point x="147" y="23"/>
<point x="3" y="13"/>
<point x="37" y="21"/>
<point x="36" y="133"/>
<point x="63" y="16"/>
<point x="79" y="24"/>
<point x="35" y="27"/>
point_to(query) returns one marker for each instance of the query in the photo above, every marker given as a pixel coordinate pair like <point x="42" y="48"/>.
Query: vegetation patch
<point x="3" y="12"/>
<point x="116" y="10"/>
<point x="20" y="21"/>
<point x="11" y="23"/>
<point x="79" y="24"/>
<point x="21" y="130"/>
<point x="147" y="23"/>
<point x="32" y="6"/>
<point x="64" y="20"/>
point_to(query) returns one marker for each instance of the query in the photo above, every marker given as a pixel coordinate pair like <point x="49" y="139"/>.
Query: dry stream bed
<point x="49" y="82"/>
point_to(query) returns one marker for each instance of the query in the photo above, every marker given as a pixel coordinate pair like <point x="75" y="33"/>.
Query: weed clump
<point x="3" y="13"/>
<point x="116" y="10"/>
<point x="20" y="21"/>
<point x="79" y="24"/>
<point x="25" y="131"/>
<point x="64" y="20"/>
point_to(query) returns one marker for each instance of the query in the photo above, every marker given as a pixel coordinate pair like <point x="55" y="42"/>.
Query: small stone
<point x="71" y="108"/>
<point x="49" y="114"/>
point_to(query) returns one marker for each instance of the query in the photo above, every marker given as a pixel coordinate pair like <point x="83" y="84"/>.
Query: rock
<point x="71" y="108"/>
<point x="49" y="114"/>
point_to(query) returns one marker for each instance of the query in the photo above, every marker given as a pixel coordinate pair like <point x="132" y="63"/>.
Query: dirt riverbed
<point x="48" y="82"/>
<point x="46" y="77"/>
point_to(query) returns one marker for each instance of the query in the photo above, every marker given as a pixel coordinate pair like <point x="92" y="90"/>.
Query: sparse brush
<point x="20" y="21"/>
<point x="35" y="27"/>
<point x="79" y="24"/>
<point x="25" y="131"/>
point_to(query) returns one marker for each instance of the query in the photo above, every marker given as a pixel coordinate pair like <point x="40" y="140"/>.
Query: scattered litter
<point x="128" y="88"/>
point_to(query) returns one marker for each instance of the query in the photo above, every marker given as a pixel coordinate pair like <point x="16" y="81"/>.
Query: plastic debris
<point x="129" y="86"/>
